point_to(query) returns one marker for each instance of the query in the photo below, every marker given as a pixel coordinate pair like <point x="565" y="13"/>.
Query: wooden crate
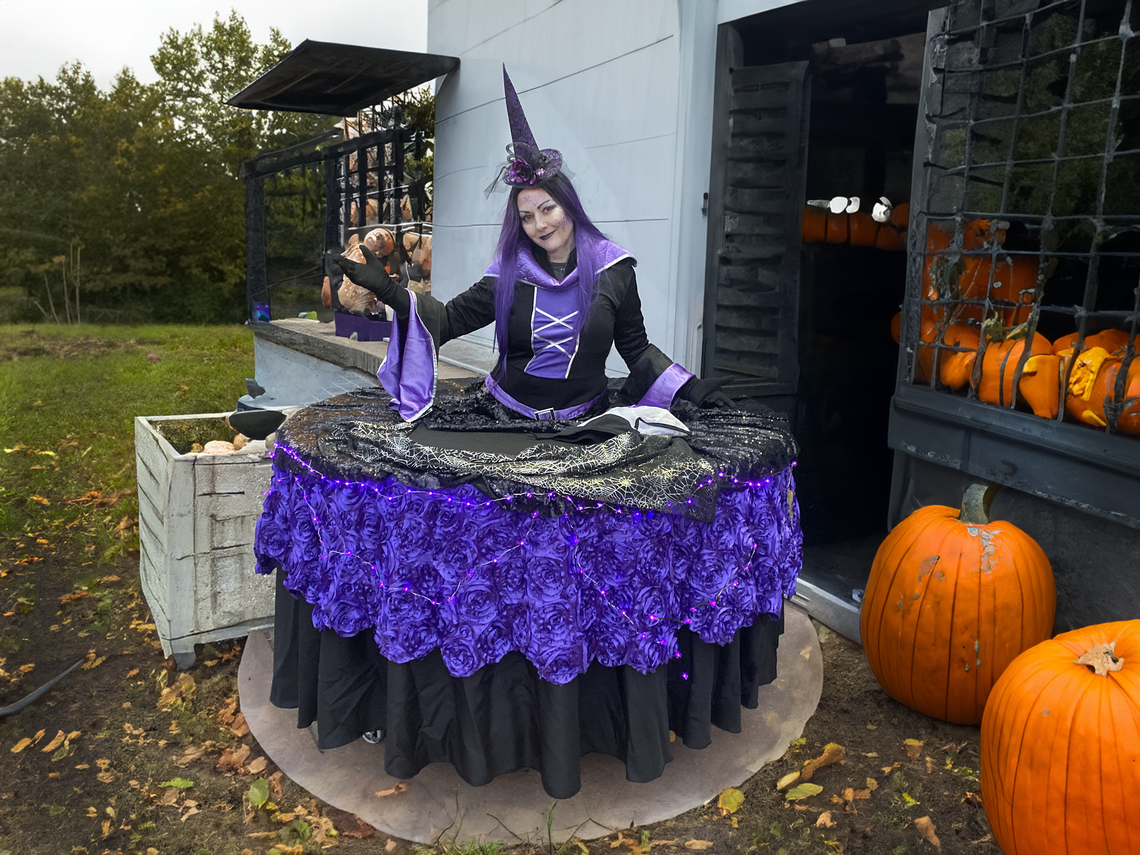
<point x="197" y="514"/>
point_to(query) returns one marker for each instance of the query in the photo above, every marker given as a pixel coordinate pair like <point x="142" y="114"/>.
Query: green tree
<point x="139" y="182"/>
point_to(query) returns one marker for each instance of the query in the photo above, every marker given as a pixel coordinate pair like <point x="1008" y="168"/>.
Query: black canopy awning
<point x="339" y="80"/>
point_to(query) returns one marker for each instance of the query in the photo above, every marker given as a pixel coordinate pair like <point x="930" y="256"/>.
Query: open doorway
<point x="815" y="100"/>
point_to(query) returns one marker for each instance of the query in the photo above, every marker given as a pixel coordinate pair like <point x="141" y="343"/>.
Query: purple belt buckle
<point x="546" y="415"/>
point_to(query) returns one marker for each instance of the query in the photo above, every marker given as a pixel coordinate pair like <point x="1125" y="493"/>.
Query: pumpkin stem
<point x="976" y="503"/>
<point x="1101" y="659"/>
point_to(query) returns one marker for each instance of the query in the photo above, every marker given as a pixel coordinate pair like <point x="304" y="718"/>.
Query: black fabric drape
<point x="504" y="717"/>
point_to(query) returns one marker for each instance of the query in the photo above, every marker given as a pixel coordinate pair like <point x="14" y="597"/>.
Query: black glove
<point x="375" y="278"/>
<point x="706" y="393"/>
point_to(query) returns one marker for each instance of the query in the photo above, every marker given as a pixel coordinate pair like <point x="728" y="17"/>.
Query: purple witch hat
<point x="526" y="164"/>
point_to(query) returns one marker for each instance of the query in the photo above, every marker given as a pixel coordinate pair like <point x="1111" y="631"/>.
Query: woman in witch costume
<point x="560" y="295"/>
<point x="489" y="579"/>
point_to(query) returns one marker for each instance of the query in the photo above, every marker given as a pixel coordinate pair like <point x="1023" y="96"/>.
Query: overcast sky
<point x="39" y="36"/>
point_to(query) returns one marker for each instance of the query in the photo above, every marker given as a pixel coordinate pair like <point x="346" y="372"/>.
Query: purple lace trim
<point x="476" y="579"/>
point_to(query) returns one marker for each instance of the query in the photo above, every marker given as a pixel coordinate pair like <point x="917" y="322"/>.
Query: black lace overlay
<point x="470" y="438"/>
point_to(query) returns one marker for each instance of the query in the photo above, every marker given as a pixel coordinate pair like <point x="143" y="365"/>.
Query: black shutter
<point x="755" y="209"/>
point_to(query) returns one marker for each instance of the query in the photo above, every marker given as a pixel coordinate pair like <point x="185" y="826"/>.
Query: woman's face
<point x="546" y="224"/>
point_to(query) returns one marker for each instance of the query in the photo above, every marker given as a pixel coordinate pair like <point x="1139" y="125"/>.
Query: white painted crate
<point x="197" y="514"/>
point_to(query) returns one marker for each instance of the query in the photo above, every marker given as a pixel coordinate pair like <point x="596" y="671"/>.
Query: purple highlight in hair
<point x="587" y="236"/>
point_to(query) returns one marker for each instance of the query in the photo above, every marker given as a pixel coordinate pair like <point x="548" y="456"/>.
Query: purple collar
<point x="529" y="271"/>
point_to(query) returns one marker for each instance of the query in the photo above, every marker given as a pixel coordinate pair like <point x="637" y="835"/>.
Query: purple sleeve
<point x="409" y="370"/>
<point x="661" y="392"/>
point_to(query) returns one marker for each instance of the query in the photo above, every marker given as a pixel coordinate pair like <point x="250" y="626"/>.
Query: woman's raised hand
<point x="371" y="275"/>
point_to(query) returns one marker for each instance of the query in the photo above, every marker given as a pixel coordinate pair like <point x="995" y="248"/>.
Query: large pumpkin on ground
<point x="1060" y="746"/>
<point x="950" y="603"/>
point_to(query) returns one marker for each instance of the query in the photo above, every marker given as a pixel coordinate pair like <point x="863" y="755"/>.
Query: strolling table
<point x="499" y="593"/>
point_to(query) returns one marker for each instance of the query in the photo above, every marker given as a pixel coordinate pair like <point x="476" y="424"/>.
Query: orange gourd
<point x="1040" y="384"/>
<point x="957" y="367"/>
<point x="951" y="600"/>
<point x="1060" y="745"/>
<point x="814" y="228"/>
<point x="999" y="363"/>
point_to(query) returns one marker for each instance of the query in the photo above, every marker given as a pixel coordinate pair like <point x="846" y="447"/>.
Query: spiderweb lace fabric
<point x="356" y="435"/>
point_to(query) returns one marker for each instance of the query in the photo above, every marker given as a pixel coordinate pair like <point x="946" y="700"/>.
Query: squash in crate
<point x="952" y="599"/>
<point x="1060" y="746"/>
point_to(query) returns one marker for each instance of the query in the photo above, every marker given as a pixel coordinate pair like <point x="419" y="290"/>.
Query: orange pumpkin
<point x="1111" y="340"/>
<point x="1014" y="281"/>
<point x="890" y="238"/>
<point x="952" y="599"/>
<point x="1092" y="383"/>
<point x="957" y="367"/>
<point x="837" y="227"/>
<point x="862" y="228"/>
<point x="814" y="228"/>
<point x="999" y="363"/>
<point x="1060" y="745"/>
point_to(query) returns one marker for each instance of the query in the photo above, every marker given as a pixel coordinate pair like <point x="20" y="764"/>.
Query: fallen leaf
<point x="169" y="797"/>
<point x="913" y="748"/>
<point x="239" y="728"/>
<point x="698" y="845"/>
<point x="92" y="662"/>
<point x="787" y="780"/>
<point x="182" y="687"/>
<point x="56" y="741"/>
<point x="730" y="800"/>
<point x="105" y="777"/>
<point x="926" y="829"/>
<point x="824" y="820"/>
<point x="275" y="787"/>
<point x="39" y="735"/>
<point x="233" y="759"/>
<point x="21" y="745"/>
<point x="803" y="791"/>
<point x="178" y="783"/>
<point x="872" y="784"/>
<point x="258" y="793"/>
<point x="400" y="787"/>
<point x="257" y="765"/>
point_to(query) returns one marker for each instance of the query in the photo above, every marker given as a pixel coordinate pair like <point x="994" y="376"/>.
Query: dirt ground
<point x="126" y="754"/>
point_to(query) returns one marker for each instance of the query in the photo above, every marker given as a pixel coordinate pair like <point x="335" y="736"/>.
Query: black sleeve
<point x="467" y="312"/>
<point x="630" y="338"/>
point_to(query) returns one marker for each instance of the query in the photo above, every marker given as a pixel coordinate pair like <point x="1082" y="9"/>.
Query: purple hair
<point x="587" y="237"/>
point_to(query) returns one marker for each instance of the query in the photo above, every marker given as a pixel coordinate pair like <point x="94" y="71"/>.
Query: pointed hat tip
<point x="520" y="128"/>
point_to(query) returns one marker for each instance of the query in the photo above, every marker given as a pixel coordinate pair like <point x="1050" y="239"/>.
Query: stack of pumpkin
<point x="841" y="219"/>
<point x="954" y="317"/>
<point x="955" y="622"/>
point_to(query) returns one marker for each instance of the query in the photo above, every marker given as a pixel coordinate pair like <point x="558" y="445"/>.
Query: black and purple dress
<point x="497" y="585"/>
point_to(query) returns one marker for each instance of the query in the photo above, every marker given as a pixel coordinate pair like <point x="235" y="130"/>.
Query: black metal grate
<point x="1027" y="214"/>
<point x="309" y="199"/>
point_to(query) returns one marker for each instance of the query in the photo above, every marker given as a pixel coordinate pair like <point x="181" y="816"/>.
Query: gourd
<point x="1060" y="745"/>
<point x="999" y="364"/>
<point x="952" y="599"/>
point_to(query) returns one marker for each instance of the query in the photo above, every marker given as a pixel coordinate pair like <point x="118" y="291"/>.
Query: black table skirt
<point x="504" y="717"/>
